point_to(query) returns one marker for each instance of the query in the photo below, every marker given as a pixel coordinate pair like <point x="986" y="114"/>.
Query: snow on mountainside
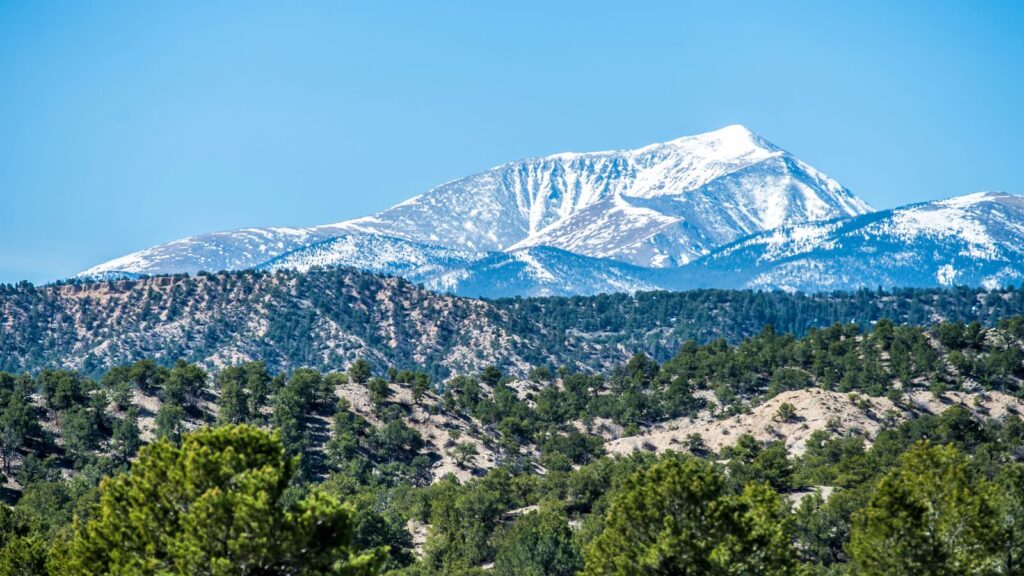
<point x="539" y="271"/>
<point x="543" y="271"/>
<point x="231" y="250"/>
<point x="977" y="240"/>
<point x="661" y="205"/>
<point x="377" y="254"/>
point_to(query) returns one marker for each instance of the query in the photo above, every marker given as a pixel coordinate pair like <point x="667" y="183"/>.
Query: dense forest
<point x="326" y="319"/>
<point x="383" y="469"/>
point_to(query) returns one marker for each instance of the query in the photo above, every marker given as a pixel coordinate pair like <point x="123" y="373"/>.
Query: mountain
<point x="231" y="250"/>
<point x="540" y="271"/>
<point x="974" y="240"/>
<point x="287" y="319"/>
<point x="658" y="206"/>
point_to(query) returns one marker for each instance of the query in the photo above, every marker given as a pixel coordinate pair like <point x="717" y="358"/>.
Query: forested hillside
<point x="326" y="318"/>
<point x="903" y="436"/>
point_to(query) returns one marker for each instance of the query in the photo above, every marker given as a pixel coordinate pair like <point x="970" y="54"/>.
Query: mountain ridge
<point x="974" y="239"/>
<point x="722" y="209"/>
<point x="655" y="206"/>
<point x="326" y="318"/>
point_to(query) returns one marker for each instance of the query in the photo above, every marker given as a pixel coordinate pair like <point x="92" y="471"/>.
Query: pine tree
<point x="677" y="517"/>
<point x="932" y="515"/>
<point x="360" y="371"/>
<point x="126" y="439"/>
<point x="233" y="406"/>
<point x="170" y="422"/>
<point x="184" y="384"/>
<point x="539" y="543"/>
<point x="15" y="421"/>
<point x="214" y="506"/>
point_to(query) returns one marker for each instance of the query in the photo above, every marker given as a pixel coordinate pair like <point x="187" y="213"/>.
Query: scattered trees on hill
<point x="954" y="504"/>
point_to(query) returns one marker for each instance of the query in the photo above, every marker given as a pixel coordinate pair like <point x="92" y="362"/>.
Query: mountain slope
<point x="677" y="224"/>
<point x="326" y="318"/>
<point x="285" y="319"/>
<point x="975" y="240"/>
<point x="661" y="205"/>
<point x="377" y="254"/>
<point x="543" y="271"/>
<point x="230" y="250"/>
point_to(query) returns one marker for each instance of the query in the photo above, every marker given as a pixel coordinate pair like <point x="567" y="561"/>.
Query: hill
<point x="327" y="318"/>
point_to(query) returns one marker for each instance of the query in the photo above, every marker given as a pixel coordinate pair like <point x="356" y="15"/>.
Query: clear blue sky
<point x="123" y="125"/>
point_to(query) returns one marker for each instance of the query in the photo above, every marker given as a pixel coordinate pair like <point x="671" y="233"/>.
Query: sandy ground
<point x="816" y="409"/>
<point x="436" y="429"/>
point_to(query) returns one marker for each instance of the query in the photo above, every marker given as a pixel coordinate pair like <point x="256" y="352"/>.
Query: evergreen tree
<point x="933" y="515"/>
<point x="490" y="376"/>
<point x="15" y="422"/>
<point x="118" y="384"/>
<point x="1010" y="483"/>
<point x="539" y="543"/>
<point x="360" y="371"/>
<point x="465" y="454"/>
<point x="184" y="384"/>
<point x="126" y="439"/>
<point x="214" y="506"/>
<point x="677" y="517"/>
<point x="234" y="397"/>
<point x="380" y="391"/>
<point x="420" y="386"/>
<point x="147" y="375"/>
<point x="78" y="429"/>
<point x="170" y="422"/>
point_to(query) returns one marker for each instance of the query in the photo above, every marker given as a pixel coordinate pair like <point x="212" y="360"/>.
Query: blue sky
<point x="123" y="125"/>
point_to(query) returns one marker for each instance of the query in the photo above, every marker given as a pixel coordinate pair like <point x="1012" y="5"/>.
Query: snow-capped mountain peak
<point x="729" y="143"/>
<point x="660" y="205"/>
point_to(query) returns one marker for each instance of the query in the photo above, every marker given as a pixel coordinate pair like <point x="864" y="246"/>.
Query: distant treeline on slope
<point x="658" y="323"/>
<point x="326" y="318"/>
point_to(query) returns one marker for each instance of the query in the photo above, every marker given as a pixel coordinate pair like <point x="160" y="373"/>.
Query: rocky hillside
<point x="283" y="319"/>
<point x="813" y="410"/>
<point x="327" y="318"/>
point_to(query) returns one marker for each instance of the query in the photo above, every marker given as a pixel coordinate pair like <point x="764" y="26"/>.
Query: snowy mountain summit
<point x="660" y="205"/>
<point x="726" y="208"/>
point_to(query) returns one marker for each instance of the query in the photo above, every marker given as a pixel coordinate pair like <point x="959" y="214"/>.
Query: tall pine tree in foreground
<point x="214" y="506"/>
